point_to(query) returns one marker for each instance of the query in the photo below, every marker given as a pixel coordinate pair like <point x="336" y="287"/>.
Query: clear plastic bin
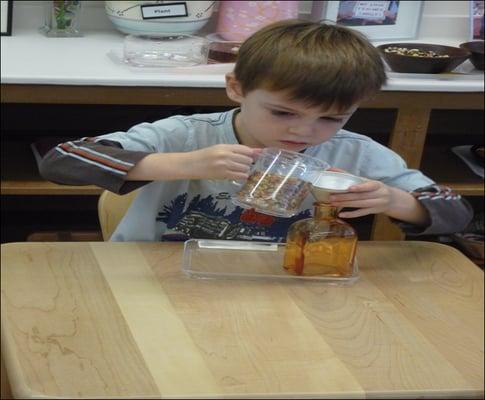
<point x="227" y="259"/>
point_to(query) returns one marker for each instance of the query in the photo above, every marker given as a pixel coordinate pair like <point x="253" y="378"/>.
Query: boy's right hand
<point x="222" y="161"/>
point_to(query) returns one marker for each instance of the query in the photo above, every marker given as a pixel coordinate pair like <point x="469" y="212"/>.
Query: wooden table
<point x="122" y="320"/>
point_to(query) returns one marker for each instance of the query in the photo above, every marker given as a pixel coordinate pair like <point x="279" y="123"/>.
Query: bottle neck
<point x="324" y="211"/>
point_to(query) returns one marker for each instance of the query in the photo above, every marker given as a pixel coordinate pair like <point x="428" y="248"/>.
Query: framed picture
<point x="476" y="20"/>
<point x="376" y="19"/>
<point x="6" y="17"/>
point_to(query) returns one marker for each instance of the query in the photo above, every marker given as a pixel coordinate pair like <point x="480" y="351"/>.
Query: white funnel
<point x="329" y="182"/>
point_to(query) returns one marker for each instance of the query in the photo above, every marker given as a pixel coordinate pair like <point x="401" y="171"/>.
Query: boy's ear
<point x="233" y="88"/>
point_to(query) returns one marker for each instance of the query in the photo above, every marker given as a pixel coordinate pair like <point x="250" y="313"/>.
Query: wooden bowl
<point x="476" y="50"/>
<point x="424" y="65"/>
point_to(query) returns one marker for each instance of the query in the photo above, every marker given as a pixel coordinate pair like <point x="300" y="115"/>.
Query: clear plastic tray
<point x="245" y="260"/>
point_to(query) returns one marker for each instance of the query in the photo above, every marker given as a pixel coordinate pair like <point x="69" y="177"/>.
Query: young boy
<point x="297" y="84"/>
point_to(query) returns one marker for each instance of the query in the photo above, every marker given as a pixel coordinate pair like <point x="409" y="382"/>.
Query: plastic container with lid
<point x="175" y="50"/>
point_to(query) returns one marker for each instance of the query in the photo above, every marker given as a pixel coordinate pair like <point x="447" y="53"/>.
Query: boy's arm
<point x="403" y="194"/>
<point x="85" y="162"/>
<point x="430" y="210"/>
<point x="405" y="207"/>
<point x="374" y="197"/>
<point x="109" y="166"/>
<point x="448" y="212"/>
<point x="221" y="161"/>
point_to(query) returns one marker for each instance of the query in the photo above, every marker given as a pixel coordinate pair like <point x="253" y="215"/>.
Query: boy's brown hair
<point x="319" y="64"/>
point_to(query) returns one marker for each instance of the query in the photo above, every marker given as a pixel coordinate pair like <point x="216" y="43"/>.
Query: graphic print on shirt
<point x="203" y="218"/>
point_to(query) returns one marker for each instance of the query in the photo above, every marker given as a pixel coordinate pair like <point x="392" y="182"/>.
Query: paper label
<point x="166" y="10"/>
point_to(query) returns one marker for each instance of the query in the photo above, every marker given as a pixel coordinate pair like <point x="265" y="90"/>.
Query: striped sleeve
<point x="448" y="211"/>
<point x="94" y="157"/>
<point x="86" y="162"/>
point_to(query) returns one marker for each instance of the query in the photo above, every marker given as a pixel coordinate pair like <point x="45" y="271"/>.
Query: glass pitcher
<point x="278" y="182"/>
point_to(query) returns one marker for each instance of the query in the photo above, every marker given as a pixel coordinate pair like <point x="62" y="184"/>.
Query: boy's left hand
<point x="371" y="197"/>
<point x="374" y="197"/>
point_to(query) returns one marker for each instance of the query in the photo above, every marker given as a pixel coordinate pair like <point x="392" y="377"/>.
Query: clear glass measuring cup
<point x="278" y="182"/>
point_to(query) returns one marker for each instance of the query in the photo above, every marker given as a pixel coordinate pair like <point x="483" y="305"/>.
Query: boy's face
<point x="269" y="119"/>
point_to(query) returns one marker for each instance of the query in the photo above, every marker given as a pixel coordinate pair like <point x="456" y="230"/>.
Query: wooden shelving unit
<point x="466" y="189"/>
<point x="446" y="168"/>
<point x="32" y="187"/>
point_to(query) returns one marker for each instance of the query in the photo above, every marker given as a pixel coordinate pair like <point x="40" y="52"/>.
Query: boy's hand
<point x="335" y="169"/>
<point x="374" y="197"/>
<point x="222" y="161"/>
<point x="371" y="197"/>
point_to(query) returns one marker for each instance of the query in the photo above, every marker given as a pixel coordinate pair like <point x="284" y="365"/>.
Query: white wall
<point x="441" y="20"/>
<point x="446" y="19"/>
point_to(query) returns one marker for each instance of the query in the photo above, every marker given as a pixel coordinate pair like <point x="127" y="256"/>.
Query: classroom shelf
<point x="446" y="168"/>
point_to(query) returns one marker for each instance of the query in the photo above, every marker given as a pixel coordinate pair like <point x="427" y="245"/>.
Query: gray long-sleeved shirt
<point x="178" y="210"/>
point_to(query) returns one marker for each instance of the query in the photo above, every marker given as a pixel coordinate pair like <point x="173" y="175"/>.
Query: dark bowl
<point x="478" y="152"/>
<point x="424" y="65"/>
<point x="471" y="243"/>
<point x="223" y="52"/>
<point x="476" y="48"/>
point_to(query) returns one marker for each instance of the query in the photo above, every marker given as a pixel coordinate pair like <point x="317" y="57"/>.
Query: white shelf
<point x="28" y="57"/>
<point x="31" y="58"/>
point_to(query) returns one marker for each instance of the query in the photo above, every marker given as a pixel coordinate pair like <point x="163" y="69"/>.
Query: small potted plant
<point x="62" y="18"/>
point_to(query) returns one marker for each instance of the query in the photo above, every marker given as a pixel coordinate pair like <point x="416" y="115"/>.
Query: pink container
<point x="240" y="19"/>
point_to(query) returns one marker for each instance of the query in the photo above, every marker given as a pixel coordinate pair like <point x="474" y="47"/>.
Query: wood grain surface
<point x="121" y="320"/>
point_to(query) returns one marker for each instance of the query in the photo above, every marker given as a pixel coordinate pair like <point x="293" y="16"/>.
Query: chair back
<point x="111" y="209"/>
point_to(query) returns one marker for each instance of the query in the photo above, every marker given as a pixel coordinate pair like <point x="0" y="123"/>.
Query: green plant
<point x="65" y="12"/>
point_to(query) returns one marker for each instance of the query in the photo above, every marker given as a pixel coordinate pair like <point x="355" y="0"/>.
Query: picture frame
<point x="6" y="17"/>
<point x="378" y="20"/>
<point x="477" y="20"/>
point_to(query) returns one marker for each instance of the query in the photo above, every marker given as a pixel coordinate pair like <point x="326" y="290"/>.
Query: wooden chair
<point x="111" y="208"/>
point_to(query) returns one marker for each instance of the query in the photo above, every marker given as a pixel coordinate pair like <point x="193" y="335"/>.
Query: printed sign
<point x="477" y="19"/>
<point x="166" y="10"/>
<point x="370" y="9"/>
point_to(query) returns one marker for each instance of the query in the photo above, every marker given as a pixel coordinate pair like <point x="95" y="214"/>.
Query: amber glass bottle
<point x="322" y="245"/>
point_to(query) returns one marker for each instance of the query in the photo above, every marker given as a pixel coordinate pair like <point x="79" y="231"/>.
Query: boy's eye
<point x="280" y="113"/>
<point x="336" y="120"/>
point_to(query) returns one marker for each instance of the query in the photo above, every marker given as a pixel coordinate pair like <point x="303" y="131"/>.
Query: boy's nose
<point x="302" y="130"/>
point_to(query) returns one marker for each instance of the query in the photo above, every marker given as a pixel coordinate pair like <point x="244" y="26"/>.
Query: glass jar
<point x="322" y="245"/>
<point x="62" y="19"/>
